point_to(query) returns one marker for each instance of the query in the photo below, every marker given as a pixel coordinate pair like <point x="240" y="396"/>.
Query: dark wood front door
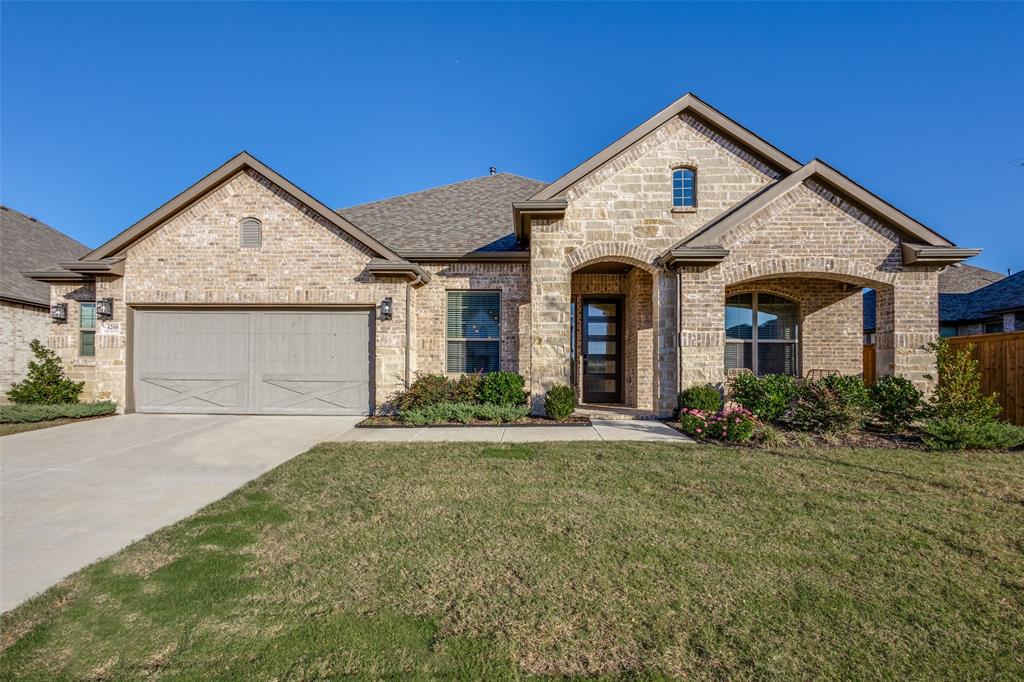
<point x="602" y="350"/>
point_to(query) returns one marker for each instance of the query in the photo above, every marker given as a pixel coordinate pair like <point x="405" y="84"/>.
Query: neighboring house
<point x="26" y="244"/>
<point x="688" y="248"/>
<point x="971" y="301"/>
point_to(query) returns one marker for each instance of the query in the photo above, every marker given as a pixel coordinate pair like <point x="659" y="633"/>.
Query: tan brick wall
<point x="430" y="302"/>
<point x="194" y="259"/>
<point x="19" y="325"/>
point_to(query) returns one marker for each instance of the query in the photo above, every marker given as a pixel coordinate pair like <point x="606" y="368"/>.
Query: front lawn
<point x="494" y="562"/>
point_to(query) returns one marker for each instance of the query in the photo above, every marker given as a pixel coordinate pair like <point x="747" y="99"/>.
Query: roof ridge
<point x="438" y="187"/>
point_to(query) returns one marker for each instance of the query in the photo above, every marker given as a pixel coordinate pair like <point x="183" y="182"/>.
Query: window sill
<point x="684" y="209"/>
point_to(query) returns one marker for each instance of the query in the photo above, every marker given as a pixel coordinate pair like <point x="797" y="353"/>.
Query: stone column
<point x="550" y="305"/>
<point x="906" y="320"/>
<point x="702" y="327"/>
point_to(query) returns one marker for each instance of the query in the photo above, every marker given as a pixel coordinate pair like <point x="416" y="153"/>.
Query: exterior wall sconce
<point x="105" y="307"/>
<point x="59" y="312"/>
<point x="385" y="308"/>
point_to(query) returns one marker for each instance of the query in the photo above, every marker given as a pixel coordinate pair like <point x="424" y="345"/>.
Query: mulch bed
<point x="864" y="438"/>
<point x="394" y="423"/>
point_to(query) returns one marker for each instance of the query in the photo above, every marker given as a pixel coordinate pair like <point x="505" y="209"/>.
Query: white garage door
<point x="252" y="361"/>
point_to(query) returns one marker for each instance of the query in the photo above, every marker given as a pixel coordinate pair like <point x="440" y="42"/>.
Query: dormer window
<point x="684" y="188"/>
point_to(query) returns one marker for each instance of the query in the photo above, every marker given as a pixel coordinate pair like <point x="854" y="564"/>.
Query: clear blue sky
<point x="108" y="110"/>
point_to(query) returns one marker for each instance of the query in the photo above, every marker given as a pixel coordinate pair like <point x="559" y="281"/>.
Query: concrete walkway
<point x="70" y="495"/>
<point x="599" y="429"/>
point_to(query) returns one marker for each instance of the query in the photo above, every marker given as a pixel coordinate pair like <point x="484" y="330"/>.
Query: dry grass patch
<point x="468" y="561"/>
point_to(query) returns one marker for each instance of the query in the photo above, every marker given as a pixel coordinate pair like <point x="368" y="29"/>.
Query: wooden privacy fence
<point x="1000" y="358"/>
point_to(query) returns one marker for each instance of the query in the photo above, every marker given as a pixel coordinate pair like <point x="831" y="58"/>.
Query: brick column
<point x="550" y="305"/>
<point x="702" y="327"/>
<point x="907" y="319"/>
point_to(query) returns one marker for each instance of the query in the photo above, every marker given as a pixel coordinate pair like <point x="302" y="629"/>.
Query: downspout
<point x="679" y="331"/>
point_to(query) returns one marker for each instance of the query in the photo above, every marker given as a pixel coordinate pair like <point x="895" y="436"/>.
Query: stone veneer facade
<point x="808" y="245"/>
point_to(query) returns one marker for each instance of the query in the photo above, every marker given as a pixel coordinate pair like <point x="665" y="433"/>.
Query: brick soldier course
<point x="761" y="222"/>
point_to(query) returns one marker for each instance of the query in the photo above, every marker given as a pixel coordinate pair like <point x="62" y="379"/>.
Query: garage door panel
<point x="248" y="361"/>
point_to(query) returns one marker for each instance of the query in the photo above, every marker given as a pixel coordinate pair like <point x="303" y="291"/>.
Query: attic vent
<point x="251" y="233"/>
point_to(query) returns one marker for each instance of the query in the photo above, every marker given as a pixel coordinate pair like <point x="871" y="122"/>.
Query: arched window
<point x="250" y="235"/>
<point x="761" y="334"/>
<point x="684" y="188"/>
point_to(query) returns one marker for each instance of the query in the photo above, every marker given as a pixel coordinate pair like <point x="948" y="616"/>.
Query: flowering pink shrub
<point x="735" y="424"/>
<point x="693" y="422"/>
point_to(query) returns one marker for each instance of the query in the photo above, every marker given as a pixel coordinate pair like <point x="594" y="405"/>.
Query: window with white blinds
<point x="761" y="334"/>
<point x="473" y="331"/>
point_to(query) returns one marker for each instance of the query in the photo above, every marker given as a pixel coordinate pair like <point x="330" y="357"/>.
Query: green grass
<point x="643" y="560"/>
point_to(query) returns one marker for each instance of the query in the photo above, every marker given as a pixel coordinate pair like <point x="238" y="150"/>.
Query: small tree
<point x="45" y="383"/>
<point x="958" y="392"/>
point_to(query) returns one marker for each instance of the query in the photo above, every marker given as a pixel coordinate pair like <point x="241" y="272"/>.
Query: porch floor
<point x="614" y="411"/>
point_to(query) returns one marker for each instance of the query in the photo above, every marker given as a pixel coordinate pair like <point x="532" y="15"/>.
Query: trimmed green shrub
<point x="827" y="406"/>
<point x="851" y="390"/>
<point x="735" y="425"/>
<point x="45" y="383"/>
<point x="958" y="393"/>
<point x="897" y="402"/>
<point x="705" y="398"/>
<point x="955" y="434"/>
<point x="16" y="414"/>
<point x="466" y="389"/>
<point x="767" y="397"/>
<point x="560" y="402"/>
<point x="463" y="413"/>
<point x="503" y="388"/>
<point x="425" y="391"/>
<point x="693" y="423"/>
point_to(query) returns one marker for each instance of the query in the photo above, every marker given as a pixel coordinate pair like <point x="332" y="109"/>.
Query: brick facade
<point x="19" y="325"/>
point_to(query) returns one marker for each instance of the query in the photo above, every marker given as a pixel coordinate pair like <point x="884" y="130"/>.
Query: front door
<point x="602" y="350"/>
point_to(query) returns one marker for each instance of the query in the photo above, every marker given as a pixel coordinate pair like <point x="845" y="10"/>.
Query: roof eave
<point x="925" y="254"/>
<point x="525" y="211"/>
<point x="470" y="257"/>
<point x="702" y="255"/>
<point x="57" y="276"/>
<point x="385" y="268"/>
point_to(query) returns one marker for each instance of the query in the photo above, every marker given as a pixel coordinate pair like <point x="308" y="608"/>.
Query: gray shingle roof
<point x="959" y="303"/>
<point x="473" y="215"/>
<point x="25" y="245"/>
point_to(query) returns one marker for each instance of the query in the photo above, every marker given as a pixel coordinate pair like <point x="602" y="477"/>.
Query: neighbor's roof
<point x="470" y="216"/>
<point x="27" y="244"/>
<point x="958" y="303"/>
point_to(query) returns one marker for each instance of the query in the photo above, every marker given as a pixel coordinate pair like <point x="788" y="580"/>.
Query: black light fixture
<point x="385" y="309"/>
<point x="59" y="312"/>
<point x="105" y="307"/>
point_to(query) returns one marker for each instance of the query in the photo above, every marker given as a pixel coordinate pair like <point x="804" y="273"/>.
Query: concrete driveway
<point x="70" y="495"/>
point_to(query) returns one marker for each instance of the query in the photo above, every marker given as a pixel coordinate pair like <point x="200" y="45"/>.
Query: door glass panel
<point x="601" y="347"/>
<point x="596" y="385"/>
<point x="601" y="309"/>
<point x="601" y="366"/>
<point x="601" y="328"/>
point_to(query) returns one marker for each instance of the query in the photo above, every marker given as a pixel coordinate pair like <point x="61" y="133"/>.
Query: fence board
<point x="869" y="364"/>
<point x="1000" y="358"/>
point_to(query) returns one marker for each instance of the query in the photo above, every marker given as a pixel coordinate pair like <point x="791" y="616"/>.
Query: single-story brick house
<point x="26" y="243"/>
<point x="686" y="248"/>
<point x="971" y="301"/>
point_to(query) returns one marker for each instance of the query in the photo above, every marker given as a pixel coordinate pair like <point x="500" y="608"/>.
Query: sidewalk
<point x="599" y="429"/>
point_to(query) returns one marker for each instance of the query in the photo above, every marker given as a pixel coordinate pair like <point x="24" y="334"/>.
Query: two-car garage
<point x="252" y="361"/>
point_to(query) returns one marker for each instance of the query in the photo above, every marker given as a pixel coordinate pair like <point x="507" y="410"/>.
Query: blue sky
<point x="108" y="110"/>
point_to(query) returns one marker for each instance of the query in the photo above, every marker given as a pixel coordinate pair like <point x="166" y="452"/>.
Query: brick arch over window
<point x="603" y="252"/>
<point x="842" y="269"/>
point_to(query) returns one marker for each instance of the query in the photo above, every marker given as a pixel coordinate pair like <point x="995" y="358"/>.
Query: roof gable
<point x="29" y="244"/>
<point x="243" y="160"/>
<point x="687" y="103"/>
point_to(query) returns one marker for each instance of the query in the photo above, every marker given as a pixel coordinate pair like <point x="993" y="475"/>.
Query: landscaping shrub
<point x="956" y="434"/>
<point x="735" y="425"/>
<point x="851" y="390"/>
<point x="693" y="422"/>
<point x="705" y="398"/>
<point x="45" y="383"/>
<point x="463" y="413"/>
<point x="503" y="388"/>
<point x="826" y="406"/>
<point x="767" y="397"/>
<point x="16" y="414"/>
<point x="425" y="391"/>
<point x="958" y="392"/>
<point x="560" y="402"/>
<point x="897" y="403"/>
<point x="466" y="389"/>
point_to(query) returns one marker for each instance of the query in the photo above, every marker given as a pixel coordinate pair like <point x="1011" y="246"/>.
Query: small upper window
<point x="87" y="329"/>
<point x="251" y="233"/>
<point x="684" y="188"/>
